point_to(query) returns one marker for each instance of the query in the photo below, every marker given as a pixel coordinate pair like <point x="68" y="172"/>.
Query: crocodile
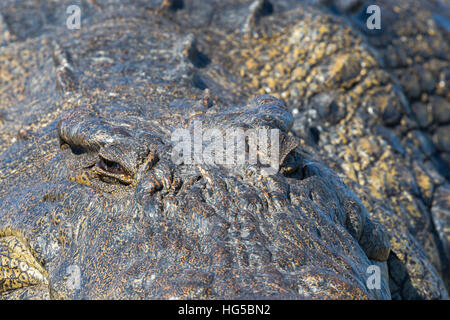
<point x="350" y="105"/>
<point x="94" y="206"/>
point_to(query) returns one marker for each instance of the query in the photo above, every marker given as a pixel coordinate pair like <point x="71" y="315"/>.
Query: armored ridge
<point x="93" y="205"/>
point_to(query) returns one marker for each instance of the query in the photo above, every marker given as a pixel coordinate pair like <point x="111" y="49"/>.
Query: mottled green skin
<point x="177" y="231"/>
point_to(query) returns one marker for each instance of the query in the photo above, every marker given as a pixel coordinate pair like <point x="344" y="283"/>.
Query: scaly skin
<point x="414" y="47"/>
<point x="354" y="111"/>
<point x="141" y="226"/>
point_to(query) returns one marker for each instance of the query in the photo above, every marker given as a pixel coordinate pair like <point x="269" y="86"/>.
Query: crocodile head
<point x="94" y="205"/>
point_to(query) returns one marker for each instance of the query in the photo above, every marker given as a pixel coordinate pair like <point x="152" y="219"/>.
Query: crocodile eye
<point x="111" y="166"/>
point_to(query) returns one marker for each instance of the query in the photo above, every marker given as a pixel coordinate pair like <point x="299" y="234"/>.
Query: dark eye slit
<point x="111" y="166"/>
<point x="76" y="149"/>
